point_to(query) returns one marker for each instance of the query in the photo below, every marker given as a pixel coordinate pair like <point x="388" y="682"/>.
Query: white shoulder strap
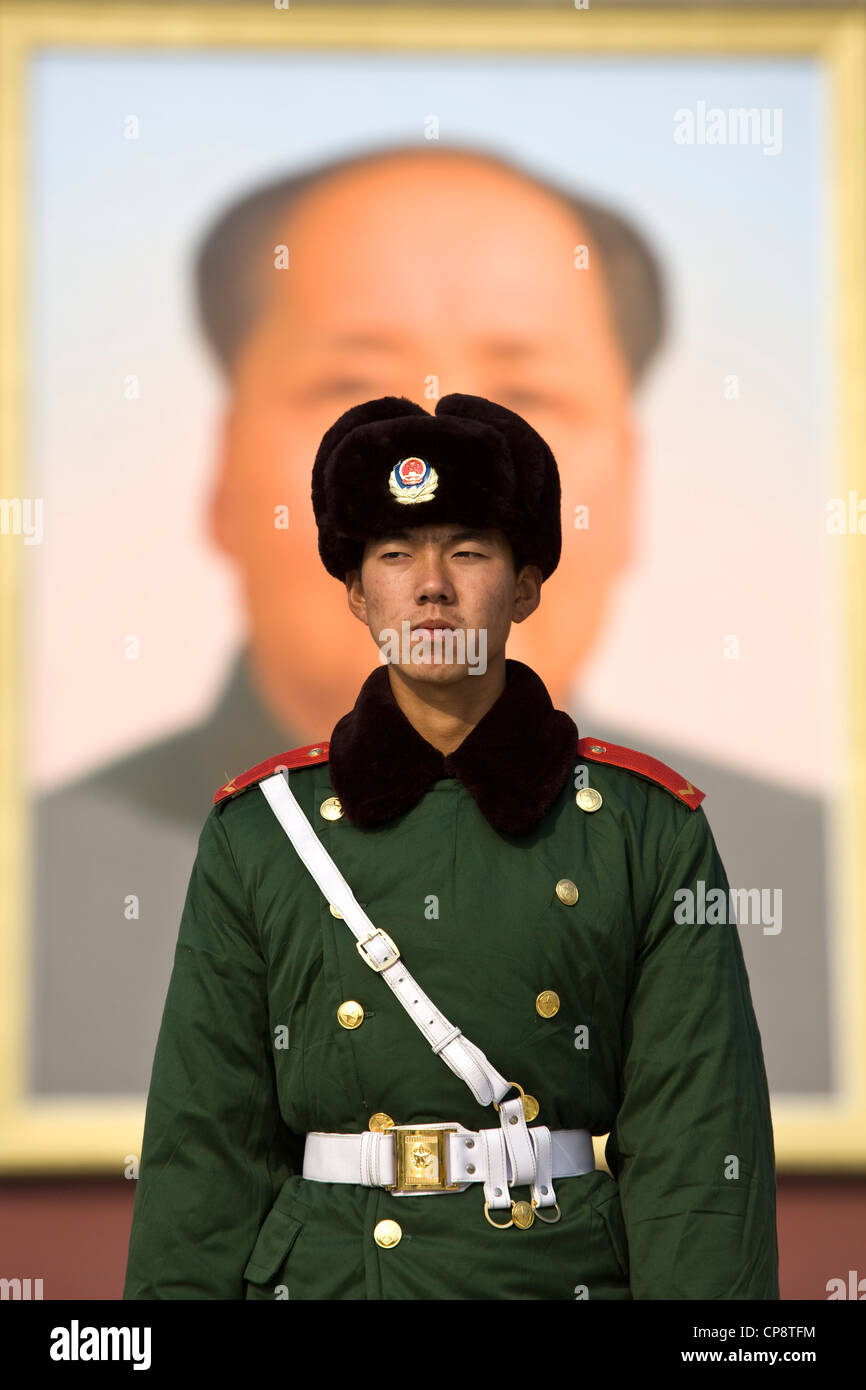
<point x="380" y="952"/>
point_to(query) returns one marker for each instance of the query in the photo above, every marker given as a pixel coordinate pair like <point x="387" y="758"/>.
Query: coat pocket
<point x="271" y="1250"/>
<point x="610" y="1212"/>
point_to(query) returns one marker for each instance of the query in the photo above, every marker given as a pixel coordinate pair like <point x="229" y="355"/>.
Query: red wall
<point x="73" y="1233"/>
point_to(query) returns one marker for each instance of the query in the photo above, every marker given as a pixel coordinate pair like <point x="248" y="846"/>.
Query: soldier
<point x="422" y="963"/>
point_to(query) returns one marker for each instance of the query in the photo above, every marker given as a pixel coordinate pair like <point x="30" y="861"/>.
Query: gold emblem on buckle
<point x="422" y="1160"/>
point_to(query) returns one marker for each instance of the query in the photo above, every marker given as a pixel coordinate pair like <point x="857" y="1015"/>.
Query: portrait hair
<point x="228" y="259"/>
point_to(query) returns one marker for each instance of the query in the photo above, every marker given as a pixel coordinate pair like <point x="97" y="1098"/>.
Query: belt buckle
<point x="421" y="1159"/>
<point x="392" y="953"/>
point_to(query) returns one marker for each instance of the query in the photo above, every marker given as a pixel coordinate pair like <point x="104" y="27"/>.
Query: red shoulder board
<point x="672" y="781"/>
<point x="297" y="757"/>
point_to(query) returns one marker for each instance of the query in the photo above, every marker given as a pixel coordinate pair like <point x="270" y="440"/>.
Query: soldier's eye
<point x="477" y="554"/>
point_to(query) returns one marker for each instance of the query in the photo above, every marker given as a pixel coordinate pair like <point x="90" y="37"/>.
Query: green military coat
<point x="654" y="1041"/>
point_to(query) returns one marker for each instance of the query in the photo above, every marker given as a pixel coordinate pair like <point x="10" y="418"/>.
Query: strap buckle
<point x="421" y="1160"/>
<point x="378" y="962"/>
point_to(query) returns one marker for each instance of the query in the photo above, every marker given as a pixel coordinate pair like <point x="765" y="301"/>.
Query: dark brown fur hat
<point x="473" y="462"/>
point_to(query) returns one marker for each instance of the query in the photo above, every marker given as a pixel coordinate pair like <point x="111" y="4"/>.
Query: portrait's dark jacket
<point x="111" y="855"/>
<point x="655" y="1041"/>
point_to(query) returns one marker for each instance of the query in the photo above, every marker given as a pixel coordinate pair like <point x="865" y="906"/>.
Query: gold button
<point x="597" y="748"/>
<point x="335" y="911"/>
<point x="566" y="891"/>
<point x="331" y="808"/>
<point x="380" y="1123"/>
<point x="547" y="1003"/>
<point x="522" y="1215"/>
<point x="530" y="1107"/>
<point x="588" y="799"/>
<point x="387" y="1234"/>
<point x="350" y="1014"/>
<point x="313" y="752"/>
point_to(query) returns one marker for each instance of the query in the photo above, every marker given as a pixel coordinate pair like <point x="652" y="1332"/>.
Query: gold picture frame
<point x="98" y="1136"/>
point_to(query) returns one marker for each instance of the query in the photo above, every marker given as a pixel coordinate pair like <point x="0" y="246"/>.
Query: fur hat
<point x="388" y="464"/>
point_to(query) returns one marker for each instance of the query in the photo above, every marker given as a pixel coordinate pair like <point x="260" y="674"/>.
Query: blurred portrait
<point x="224" y="252"/>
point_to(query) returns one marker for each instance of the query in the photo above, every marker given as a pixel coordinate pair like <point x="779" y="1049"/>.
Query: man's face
<point x="417" y="279"/>
<point x="446" y="573"/>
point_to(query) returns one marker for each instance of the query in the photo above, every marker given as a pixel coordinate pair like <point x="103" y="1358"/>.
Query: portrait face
<point x="419" y="278"/>
<point x="463" y="577"/>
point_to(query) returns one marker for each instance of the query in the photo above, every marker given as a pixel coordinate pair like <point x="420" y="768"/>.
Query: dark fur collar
<point x="515" y="761"/>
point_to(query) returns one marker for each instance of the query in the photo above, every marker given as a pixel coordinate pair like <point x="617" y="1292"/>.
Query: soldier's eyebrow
<point x="483" y="536"/>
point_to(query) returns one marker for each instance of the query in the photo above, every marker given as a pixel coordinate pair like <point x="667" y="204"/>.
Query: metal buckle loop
<point x="548" y="1220"/>
<point x="421" y="1160"/>
<point x="390" y="946"/>
<point x="529" y="1103"/>
<point x="500" y="1225"/>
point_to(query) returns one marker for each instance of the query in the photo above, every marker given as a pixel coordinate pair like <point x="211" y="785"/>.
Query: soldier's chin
<point x="427" y="668"/>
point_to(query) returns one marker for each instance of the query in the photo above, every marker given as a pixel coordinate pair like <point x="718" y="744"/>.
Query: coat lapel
<point x="514" y="763"/>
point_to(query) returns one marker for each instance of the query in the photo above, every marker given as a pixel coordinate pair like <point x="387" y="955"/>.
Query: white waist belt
<point x="445" y="1157"/>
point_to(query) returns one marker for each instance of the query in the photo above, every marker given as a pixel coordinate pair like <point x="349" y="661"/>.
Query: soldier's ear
<point x="528" y="595"/>
<point x="355" y="595"/>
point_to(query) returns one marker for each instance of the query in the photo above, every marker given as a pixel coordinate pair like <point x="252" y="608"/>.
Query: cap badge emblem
<point x="413" y="480"/>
